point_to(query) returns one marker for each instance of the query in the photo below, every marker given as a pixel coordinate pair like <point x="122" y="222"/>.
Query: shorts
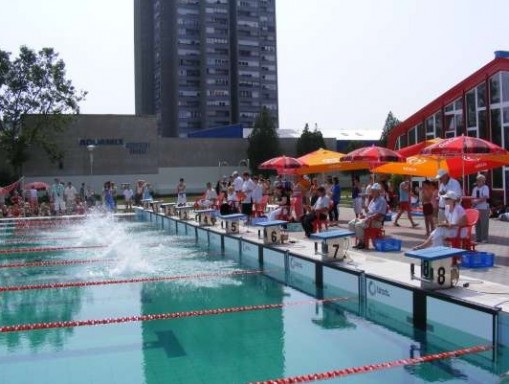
<point x="404" y="205"/>
<point x="427" y="209"/>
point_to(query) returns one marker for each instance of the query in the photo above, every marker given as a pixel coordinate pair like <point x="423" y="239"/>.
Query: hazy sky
<point x="342" y="64"/>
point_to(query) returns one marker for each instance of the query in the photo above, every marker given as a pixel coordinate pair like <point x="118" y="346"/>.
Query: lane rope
<point x="46" y="249"/>
<point x="158" y="316"/>
<point x="376" y="367"/>
<point x="37" y="239"/>
<point x="55" y="262"/>
<point x="74" y="284"/>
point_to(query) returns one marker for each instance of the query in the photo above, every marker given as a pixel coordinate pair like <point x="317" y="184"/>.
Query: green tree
<point x="309" y="141"/>
<point x="390" y="122"/>
<point x="263" y="141"/>
<point x="34" y="84"/>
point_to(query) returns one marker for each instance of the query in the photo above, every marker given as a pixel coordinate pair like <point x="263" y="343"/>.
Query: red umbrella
<point x="462" y="145"/>
<point x="373" y="155"/>
<point x="282" y="164"/>
<point x="416" y="149"/>
<point x="39" y="185"/>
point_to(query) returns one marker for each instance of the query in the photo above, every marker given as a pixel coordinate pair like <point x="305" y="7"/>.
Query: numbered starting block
<point x="272" y="231"/>
<point x="156" y="204"/>
<point x="184" y="212"/>
<point x="334" y="244"/>
<point x="439" y="266"/>
<point x="169" y="209"/>
<point x="232" y="222"/>
<point x="205" y="217"/>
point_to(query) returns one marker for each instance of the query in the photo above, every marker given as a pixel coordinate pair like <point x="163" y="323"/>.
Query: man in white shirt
<point x="237" y="182"/>
<point x="248" y="186"/>
<point x="480" y="195"/>
<point x="446" y="184"/>
<point x="70" y="197"/>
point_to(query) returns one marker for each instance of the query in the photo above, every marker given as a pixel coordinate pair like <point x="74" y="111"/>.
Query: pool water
<point x="300" y="335"/>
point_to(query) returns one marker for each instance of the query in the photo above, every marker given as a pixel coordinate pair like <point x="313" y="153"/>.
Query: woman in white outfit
<point x="454" y="217"/>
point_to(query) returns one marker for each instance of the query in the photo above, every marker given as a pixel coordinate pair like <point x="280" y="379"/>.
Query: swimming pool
<point x="102" y="282"/>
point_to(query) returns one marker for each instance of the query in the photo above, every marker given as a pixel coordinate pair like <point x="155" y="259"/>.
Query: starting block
<point x="232" y="222"/>
<point x="205" y="217"/>
<point x="169" y="209"/>
<point x="272" y="232"/>
<point x="146" y="203"/>
<point x="156" y="205"/>
<point x="439" y="266"/>
<point x="184" y="212"/>
<point x="335" y="244"/>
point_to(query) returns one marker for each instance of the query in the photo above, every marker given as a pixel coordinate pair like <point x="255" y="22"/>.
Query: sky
<point x="342" y="65"/>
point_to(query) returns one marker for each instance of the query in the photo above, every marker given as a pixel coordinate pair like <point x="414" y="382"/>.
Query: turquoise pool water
<point x="300" y="336"/>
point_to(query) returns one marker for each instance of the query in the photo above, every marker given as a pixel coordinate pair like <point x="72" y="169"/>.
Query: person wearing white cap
<point x="481" y="194"/>
<point x="446" y="184"/>
<point x="373" y="218"/>
<point x="454" y="217"/>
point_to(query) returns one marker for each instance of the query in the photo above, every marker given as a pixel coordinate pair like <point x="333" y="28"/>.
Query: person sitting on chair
<point x="283" y="200"/>
<point x="319" y="210"/>
<point x="454" y="217"/>
<point x="373" y="218"/>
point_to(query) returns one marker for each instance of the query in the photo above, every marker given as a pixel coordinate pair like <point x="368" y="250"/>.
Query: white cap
<point x="451" y="195"/>
<point x="441" y="172"/>
<point x="235" y="173"/>
<point x="481" y="177"/>
<point x="376" y="187"/>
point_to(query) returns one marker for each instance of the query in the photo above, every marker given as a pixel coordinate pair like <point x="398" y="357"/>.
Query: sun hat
<point x="376" y="187"/>
<point x="481" y="177"/>
<point x="441" y="173"/>
<point x="451" y="195"/>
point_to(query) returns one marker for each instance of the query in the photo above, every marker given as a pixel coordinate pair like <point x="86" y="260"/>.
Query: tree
<point x="390" y="122"/>
<point x="309" y="141"/>
<point x="35" y="84"/>
<point x="263" y="140"/>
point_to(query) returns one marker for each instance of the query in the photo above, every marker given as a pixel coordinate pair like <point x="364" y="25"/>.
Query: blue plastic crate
<point x="477" y="260"/>
<point x="387" y="244"/>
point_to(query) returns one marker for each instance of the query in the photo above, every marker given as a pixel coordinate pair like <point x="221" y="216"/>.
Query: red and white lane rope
<point x="376" y="367"/>
<point x="75" y="284"/>
<point x="54" y="262"/>
<point x="158" y="316"/>
<point x="37" y="239"/>
<point x="46" y="249"/>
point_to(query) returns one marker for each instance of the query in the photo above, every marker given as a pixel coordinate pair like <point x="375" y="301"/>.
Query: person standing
<point x="181" y="193"/>
<point x="446" y="184"/>
<point x="128" y="197"/>
<point x="335" y="198"/>
<point x="357" y="198"/>
<point x="248" y="186"/>
<point x="481" y="194"/>
<point x="70" y="197"/>
<point x="57" y="197"/>
<point x="405" y="194"/>
<point x="427" y="206"/>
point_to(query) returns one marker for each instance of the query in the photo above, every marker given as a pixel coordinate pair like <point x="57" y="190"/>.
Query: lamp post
<point x="91" y="148"/>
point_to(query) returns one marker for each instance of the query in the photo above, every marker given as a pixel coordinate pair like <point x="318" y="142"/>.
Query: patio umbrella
<point x="427" y="166"/>
<point x="39" y="185"/>
<point x="462" y="145"/>
<point x="324" y="160"/>
<point x="373" y="156"/>
<point x="416" y="149"/>
<point x="282" y="164"/>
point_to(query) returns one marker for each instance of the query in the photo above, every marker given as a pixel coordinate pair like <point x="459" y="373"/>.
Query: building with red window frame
<point x="477" y="106"/>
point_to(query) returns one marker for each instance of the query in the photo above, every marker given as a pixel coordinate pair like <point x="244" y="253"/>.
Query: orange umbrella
<point x="282" y="164"/>
<point x="324" y="160"/>
<point x="426" y="166"/>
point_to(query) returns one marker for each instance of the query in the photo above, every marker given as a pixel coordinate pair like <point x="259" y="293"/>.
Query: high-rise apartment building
<point x="205" y="63"/>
